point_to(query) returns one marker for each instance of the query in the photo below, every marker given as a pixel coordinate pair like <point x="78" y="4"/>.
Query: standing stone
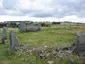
<point x="22" y="27"/>
<point x="70" y="62"/>
<point x="4" y="35"/>
<point x="81" y="37"/>
<point x="14" y="42"/>
<point x="79" y="45"/>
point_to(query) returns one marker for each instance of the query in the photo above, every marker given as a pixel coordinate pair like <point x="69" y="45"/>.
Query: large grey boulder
<point x="80" y="49"/>
<point x="79" y="44"/>
<point x="33" y="28"/>
<point x="4" y="35"/>
<point x="22" y="27"/>
<point x="14" y="41"/>
<point x="81" y="38"/>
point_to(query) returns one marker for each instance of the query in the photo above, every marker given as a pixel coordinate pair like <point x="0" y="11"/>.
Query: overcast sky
<point x="59" y="10"/>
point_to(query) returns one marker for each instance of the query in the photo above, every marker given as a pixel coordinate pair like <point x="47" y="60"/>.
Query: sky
<point x="40" y="10"/>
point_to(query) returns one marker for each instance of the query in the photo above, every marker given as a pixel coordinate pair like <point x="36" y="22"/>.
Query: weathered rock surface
<point x="14" y="42"/>
<point x="79" y="44"/>
<point x="32" y="28"/>
<point x="4" y="35"/>
<point x="24" y="28"/>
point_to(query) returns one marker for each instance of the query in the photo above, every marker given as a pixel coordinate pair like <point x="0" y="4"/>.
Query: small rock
<point x="50" y="62"/>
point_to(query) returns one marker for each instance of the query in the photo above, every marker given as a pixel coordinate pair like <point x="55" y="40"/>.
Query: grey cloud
<point x="71" y="7"/>
<point x="2" y="11"/>
<point x="61" y="8"/>
<point x="67" y="7"/>
<point x="43" y="15"/>
<point x="9" y="4"/>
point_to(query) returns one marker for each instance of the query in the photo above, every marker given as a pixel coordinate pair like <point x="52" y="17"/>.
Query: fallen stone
<point x="33" y="28"/>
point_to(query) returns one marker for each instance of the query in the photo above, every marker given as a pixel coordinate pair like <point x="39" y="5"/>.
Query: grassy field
<point x="55" y="36"/>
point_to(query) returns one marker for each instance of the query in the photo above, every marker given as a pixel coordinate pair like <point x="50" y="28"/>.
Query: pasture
<point x="54" y="36"/>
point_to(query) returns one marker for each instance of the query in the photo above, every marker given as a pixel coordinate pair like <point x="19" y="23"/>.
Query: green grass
<point x="55" y="36"/>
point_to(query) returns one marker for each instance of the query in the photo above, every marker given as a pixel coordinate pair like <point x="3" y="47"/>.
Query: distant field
<point x="55" y="36"/>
